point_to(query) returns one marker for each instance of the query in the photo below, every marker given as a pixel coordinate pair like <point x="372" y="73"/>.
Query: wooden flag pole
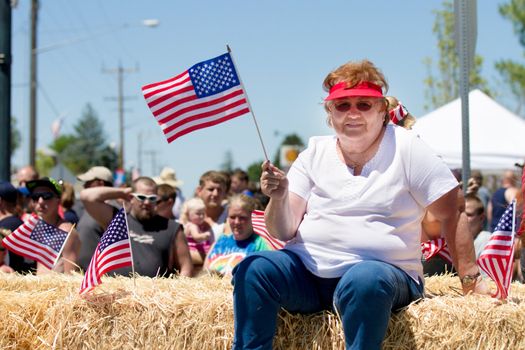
<point x="63" y="245"/>
<point x="130" y="247"/>
<point x="249" y="104"/>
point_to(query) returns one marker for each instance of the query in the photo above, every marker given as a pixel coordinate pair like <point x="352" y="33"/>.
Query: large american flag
<point x="36" y="239"/>
<point x="207" y="94"/>
<point x="435" y="247"/>
<point x="259" y="227"/>
<point x="498" y="255"/>
<point x="113" y="252"/>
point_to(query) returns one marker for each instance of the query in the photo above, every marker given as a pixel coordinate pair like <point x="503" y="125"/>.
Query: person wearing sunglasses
<point x="158" y="243"/>
<point x="44" y="195"/>
<point x="350" y="210"/>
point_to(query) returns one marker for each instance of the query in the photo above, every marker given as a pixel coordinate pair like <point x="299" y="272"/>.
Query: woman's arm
<point x="285" y="210"/>
<point x="454" y="228"/>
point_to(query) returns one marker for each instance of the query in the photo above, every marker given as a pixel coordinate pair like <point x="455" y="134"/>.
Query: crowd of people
<point x="169" y="234"/>
<point x="352" y="210"/>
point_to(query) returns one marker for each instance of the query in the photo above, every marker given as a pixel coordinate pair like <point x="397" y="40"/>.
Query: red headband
<point x="364" y="89"/>
<point x="398" y="113"/>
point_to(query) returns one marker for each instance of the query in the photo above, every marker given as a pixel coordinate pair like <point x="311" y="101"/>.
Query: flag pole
<point x="249" y="104"/>
<point x="63" y="245"/>
<point x="130" y="248"/>
<point x="513" y="233"/>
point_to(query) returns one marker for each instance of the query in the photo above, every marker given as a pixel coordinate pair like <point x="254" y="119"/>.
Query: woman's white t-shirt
<point x="374" y="216"/>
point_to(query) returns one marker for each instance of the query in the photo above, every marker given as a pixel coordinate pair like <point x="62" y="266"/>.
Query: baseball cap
<point x="8" y="192"/>
<point x="363" y="89"/>
<point x="48" y="182"/>
<point x="97" y="173"/>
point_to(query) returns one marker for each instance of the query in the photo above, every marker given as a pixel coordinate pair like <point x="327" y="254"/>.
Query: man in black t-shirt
<point x="9" y="221"/>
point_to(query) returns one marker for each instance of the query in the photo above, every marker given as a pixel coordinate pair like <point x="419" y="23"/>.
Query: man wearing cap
<point x="45" y="195"/>
<point x="168" y="177"/>
<point x="88" y="228"/>
<point x="158" y="244"/>
<point x="9" y="221"/>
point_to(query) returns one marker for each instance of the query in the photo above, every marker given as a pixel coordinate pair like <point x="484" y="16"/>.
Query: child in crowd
<point x="197" y="230"/>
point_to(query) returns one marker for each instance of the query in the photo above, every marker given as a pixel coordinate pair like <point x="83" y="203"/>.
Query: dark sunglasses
<point x="142" y="197"/>
<point x="362" y="106"/>
<point x="44" y="195"/>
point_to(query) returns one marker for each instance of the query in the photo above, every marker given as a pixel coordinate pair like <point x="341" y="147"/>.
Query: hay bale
<point x="46" y="312"/>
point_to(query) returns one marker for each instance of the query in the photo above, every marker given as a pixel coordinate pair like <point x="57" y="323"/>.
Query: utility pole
<point x="33" y="83"/>
<point x="5" y="90"/>
<point x="120" y="100"/>
<point x="139" y="152"/>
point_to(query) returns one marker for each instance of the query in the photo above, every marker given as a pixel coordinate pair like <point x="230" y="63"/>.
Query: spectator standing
<point x="9" y="221"/>
<point x="89" y="230"/>
<point x="169" y="177"/>
<point x="45" y="197"/>
<point x="502" y="198"/>
<point x="212" y="189"/>
<point x="167" y="196"/>
<point x="159" y="246"/>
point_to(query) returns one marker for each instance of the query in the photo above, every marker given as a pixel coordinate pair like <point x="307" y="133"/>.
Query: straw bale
<point x="46" y="312"/>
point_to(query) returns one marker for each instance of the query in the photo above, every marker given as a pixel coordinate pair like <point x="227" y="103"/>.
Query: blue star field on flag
<point x="48" y="235"/>
<point x="115" y="232"/>
<point x="213" y="76"/>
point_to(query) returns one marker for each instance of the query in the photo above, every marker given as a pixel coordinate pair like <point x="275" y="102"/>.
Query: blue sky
<point x="283" y="51"/>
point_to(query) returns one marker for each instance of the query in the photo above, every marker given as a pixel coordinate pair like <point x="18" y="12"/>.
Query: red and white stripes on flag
<point x="36" y="239"/>
<point x="435" y="247"/>
<point x="259" y="227"/>
<point x="207" y="94"/>
<point x="498" y="255"/>
<point x="112" y="252"/>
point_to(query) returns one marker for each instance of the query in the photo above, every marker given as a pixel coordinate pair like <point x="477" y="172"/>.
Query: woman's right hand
<point x="274" y="182"/>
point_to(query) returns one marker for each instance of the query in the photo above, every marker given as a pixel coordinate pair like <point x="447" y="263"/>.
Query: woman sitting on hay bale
<point x="350" y="209"/>
<point x="233" y="247"/>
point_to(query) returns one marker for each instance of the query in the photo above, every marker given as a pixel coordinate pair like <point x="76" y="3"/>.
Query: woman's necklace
<point x="353" y="164"/>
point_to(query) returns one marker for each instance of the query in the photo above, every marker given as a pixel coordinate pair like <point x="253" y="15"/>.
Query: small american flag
<point x="498" y="255"/>
<point x="259" y="227"/>
<point x="113" y="252"/>
<point x="435" y="247"/>
<point x="207" y="94"/>
<point x="36" y="239"/>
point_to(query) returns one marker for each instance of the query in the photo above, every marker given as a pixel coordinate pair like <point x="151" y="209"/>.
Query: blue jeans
<point x="364" y="297"/>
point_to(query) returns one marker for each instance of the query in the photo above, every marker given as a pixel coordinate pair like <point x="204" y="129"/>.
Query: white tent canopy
<point x="497" y="136"/>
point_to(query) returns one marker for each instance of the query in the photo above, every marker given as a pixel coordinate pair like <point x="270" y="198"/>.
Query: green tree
<point x="290" y="139"/>
<point x="254" y="171"/>
<point x="15" y="136"/>
<point x="513" y="72"/>
<point x="88" y="147"/>
<point x="44" y="162"/>
<point x="61" y="146"/>
<point x="445" y="87"/>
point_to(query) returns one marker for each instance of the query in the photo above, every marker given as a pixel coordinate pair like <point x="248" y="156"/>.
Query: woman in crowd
<point x="233" y="247"/>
